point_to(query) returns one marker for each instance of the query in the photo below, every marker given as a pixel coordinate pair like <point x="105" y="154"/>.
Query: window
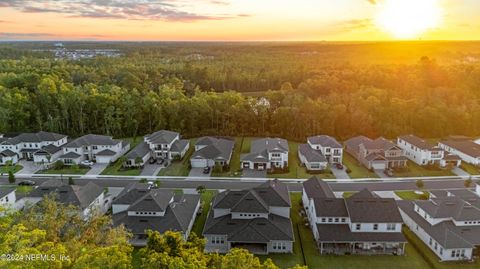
<point x="330" y="219"/>
<point x="324" y="220"/>
<point x="391" y="227"/>
<point x="336" y="219"/>
<point x="441" y="251"/>
<point x="344" y="220"/>
<point x="430" y="242"/>
<point x="358" y="226"/>
<point x="375" y="227"/>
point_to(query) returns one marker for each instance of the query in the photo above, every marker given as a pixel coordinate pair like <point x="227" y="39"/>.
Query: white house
<point x="211" y="151"/>
<point x="26" y="144"/>
<point x="138" y="156"/>
<point x="312" y="159"/>
<point x="266" y="154"/>
<point x="328" y="146"/>
<point x="97" y="148"/>
<point x="7" y="198"/>
<point x="421" y="152"/>
<point x="47" y="154"/>
<point x="7" y="156"/>
<point x="467" y="150"/>
<point x="449" y="224"/>
<point x="167" y="145"/>
<point x="360" y="224"/>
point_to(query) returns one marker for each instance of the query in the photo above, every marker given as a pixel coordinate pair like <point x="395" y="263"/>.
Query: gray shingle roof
<point x="179" y="145"/>
<point x="34" y="138"/>
<point x="451" y="207"/>
<point x="70" y="155"/>
<point x="139" y="151"/>
<point x="153" y="200"/>
<point x="81" y="196"/>
<point x="131" y="193"/>
<point x="364" y="208"/>
<point x="214" y="148"/>
<point x="269" y="144"/>
<point x="92" y="139"/>
<point x="342" y="233"/>
<point x="5" y="191"/>
<point x="468" y="147"/>
<point x="106" y="152"/>
<point x="418" y="142"/>
<point x="310" y="154"/>
<point x="317" y="188"/>
<point x="162" y="137"/>
<point x="8" y="153"/>
<point x="325" y="141"/>
<point x="49" y="149"/>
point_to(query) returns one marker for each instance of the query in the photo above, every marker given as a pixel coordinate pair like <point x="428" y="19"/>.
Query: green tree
<point x="11" y="177"/>
<point x="201" y="189"/>
<point x="419" y="183"/>
<point x="71" y="181"/>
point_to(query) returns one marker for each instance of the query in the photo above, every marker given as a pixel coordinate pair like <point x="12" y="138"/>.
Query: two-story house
<point x="97" y="148"/>
<point x="211" y="151"/>
<point x="448" y="223"/>
<point x="256" y="219"/>
<point x="422" y="152"/>
<point x="360" y="224"/>
<point x="140" y="208"/>
<point x="266" y="154"/>
<point x="167" y="145"/>
<point x="378" y="154"/>
<point x="26" y="144"/>
<point x="319" y="151"/>
<point x="466" y="149"/>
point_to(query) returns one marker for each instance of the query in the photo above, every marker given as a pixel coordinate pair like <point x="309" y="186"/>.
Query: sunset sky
<point x="239" y="20"/>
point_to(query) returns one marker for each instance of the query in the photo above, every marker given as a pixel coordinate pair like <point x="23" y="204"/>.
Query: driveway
<point x="198" y="172"/>
<point x="460" y="172"/>
<point x="96" y="169"/>
<point x="28" y="167"/>
<point x="381" y="174"/>
<point x="151" y="169"/>
<point x="254" y="173"/>
<point x="340" y="173"/>
<point x="388" y="194"/>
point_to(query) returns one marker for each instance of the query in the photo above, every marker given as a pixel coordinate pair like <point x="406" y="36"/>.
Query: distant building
<point x="467" y="150"/>
<point x="378" y="154"/>
<point x="266" y="154"/>
<point x="211" y="151"/>
<point x="167" y="145"/>
<point x="421" y="152"/>
<point x="7" y="198"/>
<point x="319" y="151"/>
<point x="362" y="224"/>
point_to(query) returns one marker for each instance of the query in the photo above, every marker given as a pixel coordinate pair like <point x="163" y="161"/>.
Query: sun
<point x="407" y="19"/>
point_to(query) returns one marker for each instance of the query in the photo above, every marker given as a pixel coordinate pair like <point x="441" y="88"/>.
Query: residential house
<point x="328" y="146"/>
<point x="312" y="159"/>
<point x="7" y="198"/>
<point x="26" y="144"/>
<point x="448" y="223"/>
<point x="8" y="157"/>
<point x="266" y="154"/>
<point x="360" y="224"/>
<point x="256" y="219"/>
<point x="47" y="154"/>
<point x="96" y="148"/>
<point x="89" y="198"/>
<point x="378" y="154"/>
<point x="167" y="145"/>
<point x="467" y="150"/>
<point x="422" y="152"/>
<point x="211" y="151"/>
<point x="140" y="208"/>
<point x="138" y="156"/>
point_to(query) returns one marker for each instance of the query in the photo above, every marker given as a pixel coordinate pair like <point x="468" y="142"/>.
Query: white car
<point x="87" y="163"/>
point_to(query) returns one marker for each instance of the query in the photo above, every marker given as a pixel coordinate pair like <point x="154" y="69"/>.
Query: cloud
<point x="355" y="24"/>
<point x="168" y="10"/>
<point x="9" y="35"/>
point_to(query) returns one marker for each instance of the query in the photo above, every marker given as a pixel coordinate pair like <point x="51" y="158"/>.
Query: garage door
<point x="198" y="163"/>
<point x="378" y="166"/>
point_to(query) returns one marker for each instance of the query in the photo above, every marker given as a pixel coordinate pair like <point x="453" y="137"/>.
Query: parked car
<point x="87" y="163"/>
<point x="206" y="170"/>
<point x="152" y="161"/>
<point x="27" y="183"/>
<point x="339" y="166"/>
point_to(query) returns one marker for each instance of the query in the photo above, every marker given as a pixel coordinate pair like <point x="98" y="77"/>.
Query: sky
<point x="238" y="20"/>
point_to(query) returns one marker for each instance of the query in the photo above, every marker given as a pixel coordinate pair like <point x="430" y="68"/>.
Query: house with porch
<point x="138" y="156"/>
<point x="266" y="154"/>
<point x="47" y="154"/>
<point x="25" y="145"/>
<point x="167" y="145"/>
<point x="422" y="152"/>
<point x="448" y="223"/>
<point x="92" y="147"/>
<point x="211" y="151"/>
<point x="362" y="224"/>
<point x="378" y="154"/>
<point x="256" y="219"/>
<point x="466" y="149"/>
<point x="141" y="208"/>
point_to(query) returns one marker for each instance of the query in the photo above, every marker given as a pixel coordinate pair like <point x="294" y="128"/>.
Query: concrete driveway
<point x="381" y="174"/>
<point x="29" y="167"/>
<point x="198" y="172"/>
<point x="388" y="194"/>
<point x="254" y="173"/>
<point x="340" y="173"/>
<point x="151" y="169"/>
<point x="96" y="169"/>
<point x="460" y="172"/>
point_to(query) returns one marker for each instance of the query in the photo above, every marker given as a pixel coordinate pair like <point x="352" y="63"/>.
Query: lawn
<point x="296" y="170"/>
<point x="356" y="168"/>
<point x="234" y="162"/>
<point x="181" y="167"/>
<point x="411" y="195"/>
<point x="14" y="169"/>
<point x="24" y="189"/>
<point x="308" y="249"/>
<point x="116" y="167"/>
<point x="206" y="199"/>
<point x="66" y="170"/>
<point x="431" y="258"/>
<point x="415" y="170"/>
<point x="469" y="168"/>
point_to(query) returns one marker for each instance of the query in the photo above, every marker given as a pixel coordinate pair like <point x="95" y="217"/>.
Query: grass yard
<point x="181" y="167"/>
<point x="356" y="168"/>
<point x="469" y="168"/>
<point x="411" y="195"/>
<point x="206" y="199"/>
<point x="296" y="170"/>
<point x="415" y="170"/>
<point x="67" y="170"/>
<point x="117" y="170"/>
<point x="234" y="170"/>
<point x="431" y="258"/>
<point x="348" y="194"/>
<point x="24" y="189"/>
<point x="307" y="250"/>
<point x="14" y="169"/>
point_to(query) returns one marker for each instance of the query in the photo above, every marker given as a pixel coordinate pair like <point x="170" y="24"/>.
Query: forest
<point x="291" y="90"/>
